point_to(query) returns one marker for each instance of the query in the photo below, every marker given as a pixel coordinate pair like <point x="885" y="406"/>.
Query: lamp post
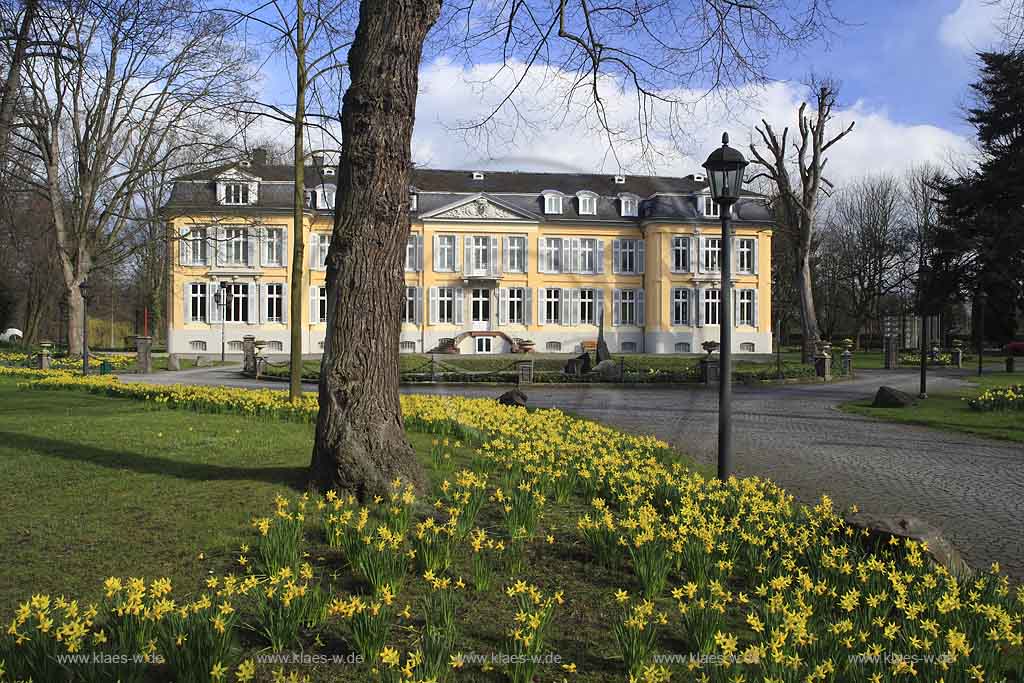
<point x="222" y="297"/>
<point x="63" y="307"/>
<point x="84" y="289"/>
<point x="979" y="320"/>
<point x="725" y="176"/>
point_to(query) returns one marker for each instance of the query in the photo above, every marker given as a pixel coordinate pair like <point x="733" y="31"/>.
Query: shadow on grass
<point x="293" y="477"/>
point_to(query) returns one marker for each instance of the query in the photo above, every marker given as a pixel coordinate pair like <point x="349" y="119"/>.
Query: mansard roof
<point x="661" y="197"/>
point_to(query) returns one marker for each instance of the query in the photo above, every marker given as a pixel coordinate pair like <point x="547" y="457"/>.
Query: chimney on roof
<point x="259" y="156"/>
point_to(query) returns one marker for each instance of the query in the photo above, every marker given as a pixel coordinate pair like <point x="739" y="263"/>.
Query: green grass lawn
<point x="96" y="486"/>
<point x="949" y="411"/>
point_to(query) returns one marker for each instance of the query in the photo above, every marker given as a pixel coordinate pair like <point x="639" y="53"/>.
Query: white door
<point x="481" y="309"/>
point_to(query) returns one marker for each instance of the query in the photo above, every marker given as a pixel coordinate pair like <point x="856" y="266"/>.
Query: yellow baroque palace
<point x="494" y="258"/>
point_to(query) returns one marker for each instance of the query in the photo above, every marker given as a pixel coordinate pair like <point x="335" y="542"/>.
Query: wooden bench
<point x="589" y="346"/>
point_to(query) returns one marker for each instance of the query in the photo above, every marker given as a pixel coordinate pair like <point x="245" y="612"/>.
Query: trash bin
<point x="106" y="368"/>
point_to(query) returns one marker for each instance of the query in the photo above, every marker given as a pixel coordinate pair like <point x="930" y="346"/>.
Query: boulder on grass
<point x="202" y="362"/>
<point x="888" y="397"/>
<point x="609" y="370"/>
<point x="173" y="363"/>
<point x="881" y="527"/>
<point x="513" y="397"/>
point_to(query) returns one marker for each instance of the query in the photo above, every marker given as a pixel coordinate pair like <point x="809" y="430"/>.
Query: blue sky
<point x="904" y="67"/>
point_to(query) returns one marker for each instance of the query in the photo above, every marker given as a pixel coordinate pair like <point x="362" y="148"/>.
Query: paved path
<point x="971" y="488"/>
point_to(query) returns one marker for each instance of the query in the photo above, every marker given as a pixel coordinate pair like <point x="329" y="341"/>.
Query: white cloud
<point x="553" y="135"/>
<point x="972" y="26"/>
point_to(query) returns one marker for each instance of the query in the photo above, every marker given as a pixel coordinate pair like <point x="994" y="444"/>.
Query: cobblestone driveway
<point x="971" y="488"/>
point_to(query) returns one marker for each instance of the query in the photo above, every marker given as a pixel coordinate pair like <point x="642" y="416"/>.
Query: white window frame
<point x="273" y="291"/>
<point x="712" y="303"/>
<point x="236" y="241"/>
<point x="629" y="253"/>
<point x="588" y="246"/>
<point x="587" y="203"/>
<point x="237" y="311"/>
<point x="516" y="306"/>
<point x="447" y="248"/>
<point x="746" y="307"/>
<point x="409" y="306"/>
<point x="481" y="342"/>
<point x="446" y="295"/>
<point x="480" y="253"/>
<point x="680" y="253"/>
<point x="627" y="306"/>
<point x="273" y="247"/>
<point x="629" y="206"/>
<point x="414" y="253"/>
<point x="709" y="207"/>
<point x="515" y="259"/>
<point x="236" y="194"/>
<point x="481" y="301"/>
<point x="680" y="303"/>
<point x="198" y="303"/>
<point x="551" y="255"/>
<point x="744" y="252"/>
<point x="552" y="304"/>
<point x="195" y="244"/>
<point x="321" y="303"/>
<point x="712" y="256"/>
<point x="321" y="246"/>
<point x="552" y="203"/>
<point x="588" y="300"/>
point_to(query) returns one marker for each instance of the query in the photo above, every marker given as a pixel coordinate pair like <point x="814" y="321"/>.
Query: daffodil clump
<point x="1000" y="398"/>
<point x="286" y="603"/>
<point x="735" y="577"/>
<point x="117" y="361"/>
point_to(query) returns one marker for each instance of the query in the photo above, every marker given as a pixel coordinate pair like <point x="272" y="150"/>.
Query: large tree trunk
<point x="298" y="209"/>
<point x="808" y="315"/>
<point x="76" y="309"/>
<point x="360" y="439"/>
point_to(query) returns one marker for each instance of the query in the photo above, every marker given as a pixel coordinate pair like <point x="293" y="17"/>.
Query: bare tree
<point x="654" y="50"/>
<point x="799" y="193"/>
<point x="22" y="40"/>
<point x="106" y="111"/>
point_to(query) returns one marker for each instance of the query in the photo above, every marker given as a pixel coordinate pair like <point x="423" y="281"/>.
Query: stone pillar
<point x="823" y="363"/>
<point x="44" y="355"/>
<point x="710" y="369"/>
<point x="257" y="357"/>
<point x="525" y="375"/>
<point x="249" y="353"/>
<point x="958" y="357"/>
<point x="144" y="354"/>
<point x="847" y="363"/>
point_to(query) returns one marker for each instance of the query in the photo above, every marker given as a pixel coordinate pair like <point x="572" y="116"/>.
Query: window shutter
<point x="641" y="258"/>
<point x="314" y="308"/>
<point x="504" y="253"/>
<point x="564" y="256"/>
<point x="691" y="248"/>
<point x="600" y="256"/>
<point x="184" y="248"/>
<point x="757" y="241"/>
<point x="419" y="253"/>
<point x="616" y="254"/>
<point x="492" y="254"/>
<point x="576" y="255"/>
<point x="254" y="189"/>
<point x="502" y="294"/>
<point x="251" y="242"/>
<point x="542" y="305"/>
<point x="641" y="308"/>
<point x="460" y="306"/>
<point x="314" y="249"/>
<point x="735" y="307"/>
<point x="436" y="253"/>
<point x="527" y="305"/>
<point x="700" y="254"/>
<point x="565" y="306"/>
<point x="735" y="255"/>
<point x="542" y="257"/>
<point x="574" y="307"/>
<point x="286" y="303"/>
<point x="187" y="317"/>
<point x="674" y="242"/>
<point x="221" y="248"/>
<point x="673" y="318"/>
<point x="598" y="305"/>
<point x="212" y="309"/>
<point x="526" y="254"/>
<point x="755" y="322"/>
<point x="467" y="260"/>
<point x="432" y="296"/>
<point x="255" y="309"/>
<point x="616" y="306"/>
<point x="699" y="308"/>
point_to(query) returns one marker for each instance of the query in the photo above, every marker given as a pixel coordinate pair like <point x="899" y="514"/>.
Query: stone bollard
<point x="823" y="363"/>
<point x="44" y="355"/>
<point x="257" y="357"/>
<point x="144" y="354"/>
<point x="249" y="354"/>
<point x="173" y="362"/>
<point x="958" y="357"/>
<point x="847" y="363"/>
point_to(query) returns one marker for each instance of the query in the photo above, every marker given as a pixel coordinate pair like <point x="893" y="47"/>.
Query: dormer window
<point x="236" y="193"/>
<point x="413" y="201"/>
<point x="587" y="202"/>
<point x="325" y="196"/>
<point x="477" y="175"/>
<point x="628" y="205"/>
<point x="709" y="207"/>
<point x="330" y="171"/>
<point x="552" y="203"/>
<point x="620" y="180"/>
<point x="310" y="199"/>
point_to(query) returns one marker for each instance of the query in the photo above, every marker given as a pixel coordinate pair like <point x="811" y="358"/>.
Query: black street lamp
<point x="222" y="299"/>
<point x="84" y="289"/>
<point x="725" y="175"/>
<point x="979" y="321"/>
